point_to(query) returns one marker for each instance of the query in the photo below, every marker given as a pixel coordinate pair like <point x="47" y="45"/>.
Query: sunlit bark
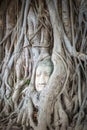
<point x="32" y="32"/>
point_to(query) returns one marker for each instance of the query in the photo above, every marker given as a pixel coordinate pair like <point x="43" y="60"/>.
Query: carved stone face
<point x="43" y="73"/>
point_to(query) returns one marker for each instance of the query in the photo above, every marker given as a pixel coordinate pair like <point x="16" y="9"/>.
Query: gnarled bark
<point x="32" y="32"/>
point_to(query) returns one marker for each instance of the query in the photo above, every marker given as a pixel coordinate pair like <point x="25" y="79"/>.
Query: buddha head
<point x="43" y="73"/>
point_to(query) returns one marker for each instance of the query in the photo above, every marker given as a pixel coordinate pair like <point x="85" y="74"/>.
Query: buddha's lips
<point x="42" y="85"/>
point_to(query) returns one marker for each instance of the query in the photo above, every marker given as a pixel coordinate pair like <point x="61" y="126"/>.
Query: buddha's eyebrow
<point x="47" y="72"/>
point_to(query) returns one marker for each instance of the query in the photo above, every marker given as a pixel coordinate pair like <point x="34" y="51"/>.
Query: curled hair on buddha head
<point x="46" y="63"/>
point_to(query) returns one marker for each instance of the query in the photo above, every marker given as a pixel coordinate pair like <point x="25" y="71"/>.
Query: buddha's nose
<point x="42" y="79"/>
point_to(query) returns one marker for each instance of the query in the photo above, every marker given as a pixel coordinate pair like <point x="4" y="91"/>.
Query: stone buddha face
<point x="43" y="72"/>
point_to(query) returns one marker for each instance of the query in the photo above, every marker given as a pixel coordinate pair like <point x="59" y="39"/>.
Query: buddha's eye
<point x="46" y="74"/>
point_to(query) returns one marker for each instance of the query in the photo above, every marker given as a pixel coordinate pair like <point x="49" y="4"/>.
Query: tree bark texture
<point x="31" y="32"/>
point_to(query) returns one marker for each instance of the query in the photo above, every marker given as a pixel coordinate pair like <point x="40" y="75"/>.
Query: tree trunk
<point x="43" y="65"/>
